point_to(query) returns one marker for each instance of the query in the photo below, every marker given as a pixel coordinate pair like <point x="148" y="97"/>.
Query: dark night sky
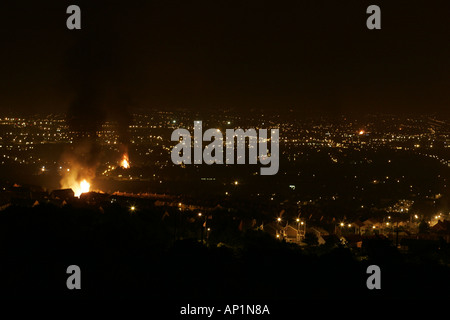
<point x="306" y="55"/>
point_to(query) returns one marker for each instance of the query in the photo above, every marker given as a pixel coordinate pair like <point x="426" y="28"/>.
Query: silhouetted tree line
<point x="146" y="254"/>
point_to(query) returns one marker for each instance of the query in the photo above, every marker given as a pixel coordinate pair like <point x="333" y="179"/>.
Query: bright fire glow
<point x="82" y="187"/>
<point x="361" y="132"/>
<point x="125" y="163"/>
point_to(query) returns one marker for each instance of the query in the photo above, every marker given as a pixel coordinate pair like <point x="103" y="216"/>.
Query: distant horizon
<point x="271" y="111"/>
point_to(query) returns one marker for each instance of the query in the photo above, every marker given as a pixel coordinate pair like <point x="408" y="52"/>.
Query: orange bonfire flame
<point x="81" y="187"/>
<point x="125" y="163"/>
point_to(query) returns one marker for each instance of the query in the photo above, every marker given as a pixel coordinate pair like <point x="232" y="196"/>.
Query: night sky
<point x="281" y="55"/>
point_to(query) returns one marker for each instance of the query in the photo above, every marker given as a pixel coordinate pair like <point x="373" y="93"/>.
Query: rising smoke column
<point x="122" y="117"/>
<point x="94" y="76"/>
<point x="85" y="115"/>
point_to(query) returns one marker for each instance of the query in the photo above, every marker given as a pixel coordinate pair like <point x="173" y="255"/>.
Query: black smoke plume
<point x="94" y="74"/>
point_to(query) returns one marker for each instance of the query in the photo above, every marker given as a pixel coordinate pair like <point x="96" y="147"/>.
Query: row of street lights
<point x="301" y="229"/>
